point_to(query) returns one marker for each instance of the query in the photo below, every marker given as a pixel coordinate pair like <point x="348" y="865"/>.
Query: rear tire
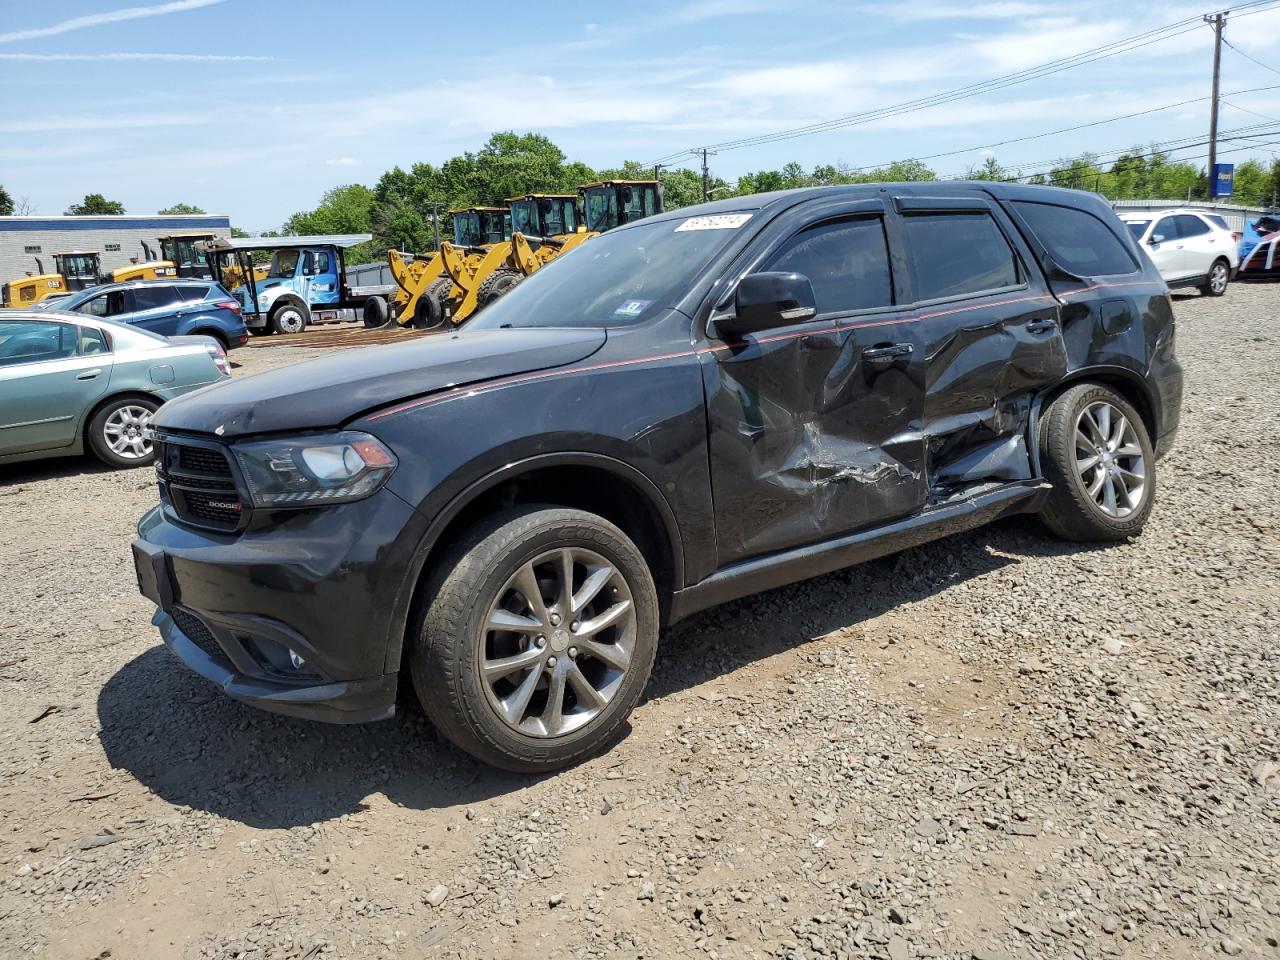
<point x="115" y="432"/>
<point x="376" y="313"/>
<point x="495" y="285"/>
<point x="429" y="313"/>
<point x="260" y="331"/>
<point x="1095" y="451"/>
<point x="569" y="684"/>
<point x="1215" y="282"/>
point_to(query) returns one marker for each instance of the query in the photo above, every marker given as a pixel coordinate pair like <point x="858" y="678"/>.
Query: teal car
<point x="72" y="382"/>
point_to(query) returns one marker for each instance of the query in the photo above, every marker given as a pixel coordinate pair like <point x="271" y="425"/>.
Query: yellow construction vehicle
<point x="611" y="203"/>
<point x="182" y="250"/>
<point x="31" y="289"/>
<point x="445" y="284"/>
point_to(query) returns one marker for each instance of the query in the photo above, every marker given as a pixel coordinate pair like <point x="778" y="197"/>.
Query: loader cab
<point x="481" y="226"/>
<point x="611" y="203"/>
<point x="545" y="214"/>
<point x="78" y="268"/>
<point x="182" y="250"/>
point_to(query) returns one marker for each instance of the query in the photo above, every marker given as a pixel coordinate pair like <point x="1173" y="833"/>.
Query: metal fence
<point x="1233" y="214"/>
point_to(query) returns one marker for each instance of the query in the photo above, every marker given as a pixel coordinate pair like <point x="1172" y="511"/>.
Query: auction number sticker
<point x="719" y="221"/>
<point x="632" y="308"/>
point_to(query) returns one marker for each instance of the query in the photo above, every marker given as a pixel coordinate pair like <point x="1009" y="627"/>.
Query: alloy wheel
<point x="557" y="642"/>
<point x="1109" y="459"/>
<point x="1218" y="278"/>
<point x="126" y="432"/>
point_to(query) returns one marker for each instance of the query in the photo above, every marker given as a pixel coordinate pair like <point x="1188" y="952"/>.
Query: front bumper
<point x="304" y="617"/>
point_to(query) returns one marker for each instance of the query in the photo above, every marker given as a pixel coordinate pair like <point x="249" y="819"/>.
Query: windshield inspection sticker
<point x="632" y="308"/>
<point x="720" y="221"/>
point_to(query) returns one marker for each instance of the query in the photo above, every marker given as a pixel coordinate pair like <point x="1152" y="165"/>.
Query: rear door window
<point x="958" y="254"/>
<point x="153" y="298"/>
<point x="847" y="261"/>
<point x="1077" y="240"/>
<point x="1189" y="226"/>
<point x="192" y="292"/>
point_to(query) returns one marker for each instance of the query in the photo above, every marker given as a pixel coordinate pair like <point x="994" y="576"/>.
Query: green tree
<point x="180" y="208"/>
<point x="345" y="209"/>
<point x="990" y="170"/>
<point x="6" y="203"/>
<point x="95" y="204"/>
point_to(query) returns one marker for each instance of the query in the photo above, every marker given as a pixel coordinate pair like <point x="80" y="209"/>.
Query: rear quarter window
<point x="1077" y="240"/>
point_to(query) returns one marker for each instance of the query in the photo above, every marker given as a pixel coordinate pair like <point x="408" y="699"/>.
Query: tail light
<point x="1237" y="236"/>
<point x="219" y="356"/>
<point x="232" y="305"/>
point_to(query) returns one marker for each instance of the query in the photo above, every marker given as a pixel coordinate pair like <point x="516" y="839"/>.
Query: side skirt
<point x="801" y="563"/>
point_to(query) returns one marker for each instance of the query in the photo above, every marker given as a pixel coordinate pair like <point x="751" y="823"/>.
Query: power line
<point x="1105" y="51"/>
<point x="1265" y="66"/>
<point x="1236" y="106"/>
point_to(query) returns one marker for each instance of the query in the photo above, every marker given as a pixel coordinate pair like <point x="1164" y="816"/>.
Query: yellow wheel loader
<point x="445" y="285"/>
<point x="75" y="270"/>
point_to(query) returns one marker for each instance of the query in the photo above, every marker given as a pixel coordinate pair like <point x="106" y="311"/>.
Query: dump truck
<point x="306" y="281"/>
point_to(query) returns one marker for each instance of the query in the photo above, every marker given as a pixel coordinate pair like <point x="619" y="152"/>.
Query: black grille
<point x="194" y="629"/>
<point x="200" y="484"/>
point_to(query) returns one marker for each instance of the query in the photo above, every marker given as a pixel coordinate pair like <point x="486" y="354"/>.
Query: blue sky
<point x="255" y="108"/>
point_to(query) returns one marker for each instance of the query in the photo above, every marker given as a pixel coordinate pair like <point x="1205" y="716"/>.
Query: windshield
<point x="1137" y="228"/>
<point x="600" y="208"/>
<point x="284" y="264"/>
<point x="524" y="217"/>
<point x="466" y="229"/>
<point x="617" y="279"/>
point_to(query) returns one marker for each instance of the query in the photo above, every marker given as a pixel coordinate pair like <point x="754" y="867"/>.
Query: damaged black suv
<point x="691" y="408"/>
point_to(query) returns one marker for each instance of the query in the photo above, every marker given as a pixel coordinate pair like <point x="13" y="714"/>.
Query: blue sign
<point x="1223" y="179"/>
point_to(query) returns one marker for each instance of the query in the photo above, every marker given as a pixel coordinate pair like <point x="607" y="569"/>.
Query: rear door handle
<point x="89" y="374"/>
<point x="888" y="353"/>
<point x="1042" y="326"/>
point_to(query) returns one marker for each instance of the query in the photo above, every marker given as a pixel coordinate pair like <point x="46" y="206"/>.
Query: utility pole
<point x="706" y="175"/>
<point x="435" y="221"/>
<point x="1218" y="21"/>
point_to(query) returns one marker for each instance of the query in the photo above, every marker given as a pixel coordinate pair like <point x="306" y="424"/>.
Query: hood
<point x="330" y="390"/>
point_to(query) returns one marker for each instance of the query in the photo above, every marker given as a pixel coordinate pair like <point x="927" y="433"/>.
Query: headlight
<point x="306" y="471"/>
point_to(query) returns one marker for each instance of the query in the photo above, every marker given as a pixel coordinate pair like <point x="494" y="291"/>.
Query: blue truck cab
<point x="306" y="280"/>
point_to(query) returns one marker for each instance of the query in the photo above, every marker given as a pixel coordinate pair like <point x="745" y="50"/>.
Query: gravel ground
<point x="998" y="745"/>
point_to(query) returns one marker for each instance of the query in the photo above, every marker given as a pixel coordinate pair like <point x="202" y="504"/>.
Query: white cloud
<point x="343" y="162"/>
<point x="109" y="16"/>
<point x="176" y="57"/>
<point x="956" y="11"/>
<point x="702" y="10"/>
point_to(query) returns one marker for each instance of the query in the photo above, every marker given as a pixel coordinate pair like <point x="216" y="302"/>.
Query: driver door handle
<point x="89" y="374"/>
<point x="887" y="353"/>
<point x="1043" y="325"/>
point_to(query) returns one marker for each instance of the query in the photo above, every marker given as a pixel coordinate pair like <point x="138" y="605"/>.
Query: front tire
<point x="289" y="317"/>
<point x="1215" y="282"/>
<point x="538" y="640"/>
<point x="376" y="313"/>
<point x="118" y="434"/>
<point x="1095" y="451"/>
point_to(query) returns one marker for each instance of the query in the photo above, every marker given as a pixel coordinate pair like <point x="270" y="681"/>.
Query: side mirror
<point x="1156" y="238"/>
<point x="767" y="300"/>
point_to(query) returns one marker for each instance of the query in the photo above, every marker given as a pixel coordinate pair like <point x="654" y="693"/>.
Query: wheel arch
<point x="1128" y="384"/>
<point x="131" y="394"/>
<point x="597" y="483"/>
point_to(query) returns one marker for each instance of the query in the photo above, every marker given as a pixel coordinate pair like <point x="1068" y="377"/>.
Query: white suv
<point x="1189" y="248"/>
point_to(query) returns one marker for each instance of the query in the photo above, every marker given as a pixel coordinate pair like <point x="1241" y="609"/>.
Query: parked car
<point x="69" y="381"/>
<point x="170" y="308"/>
<point x="1190" y="248"/>
<point x="688" y="409"/>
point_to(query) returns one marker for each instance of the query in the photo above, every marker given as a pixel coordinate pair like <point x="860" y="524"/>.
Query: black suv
<point x="688" y="409"/>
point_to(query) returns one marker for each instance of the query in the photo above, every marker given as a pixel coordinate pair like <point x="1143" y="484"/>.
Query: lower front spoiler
<point x="343" y="701"/>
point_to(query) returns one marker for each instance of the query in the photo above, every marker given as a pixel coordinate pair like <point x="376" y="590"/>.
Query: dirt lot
<point x="998" y="745"/>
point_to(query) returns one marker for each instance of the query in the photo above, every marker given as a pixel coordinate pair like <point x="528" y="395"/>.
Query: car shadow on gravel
<point x="723" y="639"/>
<point x="33" y="471"/>
<point x="190" y="744"/>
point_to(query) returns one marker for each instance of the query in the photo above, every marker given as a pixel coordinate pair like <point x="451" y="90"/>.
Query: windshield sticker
<point x="632" y="308"/>
<point x="720" y="221"/>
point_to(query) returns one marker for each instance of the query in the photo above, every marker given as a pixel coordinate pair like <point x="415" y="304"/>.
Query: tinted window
<point x="322" y="262"/>
<point x="957" y="253"/>
<point x="1137" y="228"/>
<point x="106" y="304"/>
<point x="151" y="298"/>
<point x="189" y="293"/>
<point x="1189" y="226"/>
<point x="1220" y="222"/>
<point x="96" y="307"/>
<point x="32" y="341"/>
<point x="1078" y="241"/>
<point x="1166" y="230"/>
<point x="92" y="341"/>
<point x="846" y="261"/>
